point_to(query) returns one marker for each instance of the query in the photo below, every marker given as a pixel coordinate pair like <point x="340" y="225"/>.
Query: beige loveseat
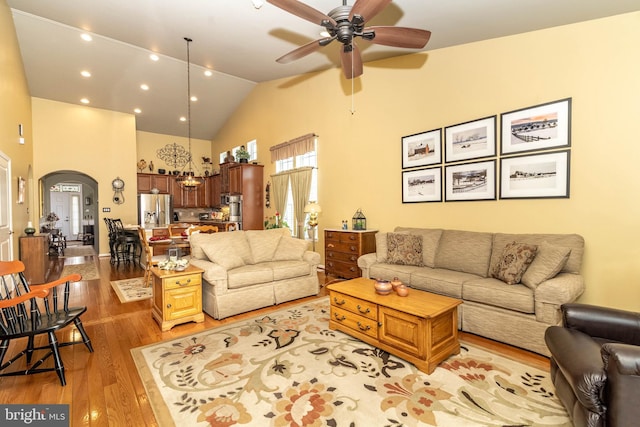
<point x="460" y="264"/>
<point x="246" y="270"/>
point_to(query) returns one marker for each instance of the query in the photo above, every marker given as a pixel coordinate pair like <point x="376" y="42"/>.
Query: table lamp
<point x="313" y="209"/>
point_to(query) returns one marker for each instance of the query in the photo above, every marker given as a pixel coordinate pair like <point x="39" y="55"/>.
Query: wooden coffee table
<point x="421" y="328"/>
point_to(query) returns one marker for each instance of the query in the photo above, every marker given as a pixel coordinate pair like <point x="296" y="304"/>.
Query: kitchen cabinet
<point x="224" y="177"/>
<point x="247" y="179"/>
<point x="199" y="197"/>
<point x="147" y="181"/>
<point x="215" y="189"/>
<point x="342" y="249"/>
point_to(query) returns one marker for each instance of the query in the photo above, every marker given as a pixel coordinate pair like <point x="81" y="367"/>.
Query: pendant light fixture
<point x="189" y="180"/>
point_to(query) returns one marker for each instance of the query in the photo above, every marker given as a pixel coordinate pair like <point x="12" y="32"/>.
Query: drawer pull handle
<point x="183" y="284"/>
<point x="363" y="328"/>
<point x="335" y="299"/>
<point x="339" y="318"/>
<point x="353" y="248"/>
<point x="363" y="311"/>
<point x="168" y="305"/>
<point x="330" y="245"/>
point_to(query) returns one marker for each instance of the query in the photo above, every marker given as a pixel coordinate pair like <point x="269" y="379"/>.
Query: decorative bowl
<point x="383" y="287"/>
<point x="162" y="171"/>
<point x="179" y="265"/>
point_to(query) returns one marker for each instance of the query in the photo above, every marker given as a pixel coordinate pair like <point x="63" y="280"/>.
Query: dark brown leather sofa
<point x="595" y="365"/>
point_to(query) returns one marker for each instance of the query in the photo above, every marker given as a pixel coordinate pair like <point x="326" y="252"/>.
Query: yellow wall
<point x="98" y="143"/>
<point x="597" y="63"/>
<point x="149" y="143"/>
<point x="15" y="109"/>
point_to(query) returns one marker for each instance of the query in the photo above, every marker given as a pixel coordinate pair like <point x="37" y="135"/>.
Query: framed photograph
<point x="470" y="140"/>
<point x="422" y="185"/>
<point x="21" y="190"/>
<point x="422" y="149"/>
<point x="536" y="176"/>
<point x="536" y="128"/>
<point x="470" y="181"/>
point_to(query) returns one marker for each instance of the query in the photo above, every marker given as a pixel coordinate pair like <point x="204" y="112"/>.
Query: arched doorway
<point x="88" y="198"/>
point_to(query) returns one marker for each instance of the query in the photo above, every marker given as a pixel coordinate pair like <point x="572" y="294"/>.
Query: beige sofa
<point x="247" y="270"/>
<point x="461" y="264"/>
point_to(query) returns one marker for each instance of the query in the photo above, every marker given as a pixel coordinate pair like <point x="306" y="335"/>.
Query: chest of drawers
<point x="342" y="249"/>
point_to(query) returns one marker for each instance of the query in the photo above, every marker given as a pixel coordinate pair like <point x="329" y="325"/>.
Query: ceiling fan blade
<point x="303" y="11"/>
<point x="351" y="61"/>
<point x="368" y="8"/>
<point x="412" y="38"/>
<point x="304" y="50"/>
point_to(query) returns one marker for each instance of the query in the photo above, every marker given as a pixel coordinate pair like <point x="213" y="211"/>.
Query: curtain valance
<point x="295" y="147"/>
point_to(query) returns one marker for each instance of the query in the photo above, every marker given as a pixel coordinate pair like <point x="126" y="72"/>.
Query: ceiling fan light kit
<point x="344" y="23"/>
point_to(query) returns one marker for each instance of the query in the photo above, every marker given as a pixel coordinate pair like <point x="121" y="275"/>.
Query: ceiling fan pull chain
<point x="353" y="108"/>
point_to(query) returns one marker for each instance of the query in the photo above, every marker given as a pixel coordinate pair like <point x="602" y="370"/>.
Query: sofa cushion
<point x="283" y="270"/>
<point x="404" y="249"/>
<point x="440" y="281"/>
<point x="221" y="251"/>
<point x="573" y="241"/>
<point x="548" y="262"/>
<point x="496" y="293"/>
<point x="515" y="259"/>
<point x="430" y="240"/>
<point x="290" y="249"/>
<point x="263" y="243"/>
<point x="465" y="251"/>
<point x="249" y="275"/>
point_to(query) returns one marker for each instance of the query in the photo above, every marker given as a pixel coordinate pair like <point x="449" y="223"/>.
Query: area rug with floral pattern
<point x="129" y="290"/>
<point x="289" y="369"/>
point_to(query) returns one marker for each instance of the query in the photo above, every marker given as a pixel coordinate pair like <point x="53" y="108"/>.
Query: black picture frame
<point x="536" y="176"/>
<point x="422" y="185"/>
<point x="422" y="149"/>
<point x="475" y="139"/>
<point x="471" y="181"/>
<point x="540" y="127"/>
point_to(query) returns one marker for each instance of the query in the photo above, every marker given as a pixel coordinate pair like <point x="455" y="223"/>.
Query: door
<point x="60" y="203"/>
<point x="6" y="233"/>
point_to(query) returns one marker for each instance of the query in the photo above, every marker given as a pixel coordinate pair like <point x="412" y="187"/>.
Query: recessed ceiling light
<point x="137" y="110"/>
<point x="86" y="37"/>
<point x="84" y="100"/>
<point x="183" y="119"/>
<point x="144" y="87"/>
<point x="194" y="98"/>
<point x="154" y="57"/>
<point x="85" y="73"/>
<point x="208" y="73"/>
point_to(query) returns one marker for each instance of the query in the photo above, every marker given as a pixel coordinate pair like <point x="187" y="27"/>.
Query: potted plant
<point x="51" y="219"/>
<point x="242" y="154"/>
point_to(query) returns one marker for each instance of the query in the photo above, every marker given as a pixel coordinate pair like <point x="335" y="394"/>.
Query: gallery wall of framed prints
<point x="533" y="160"/>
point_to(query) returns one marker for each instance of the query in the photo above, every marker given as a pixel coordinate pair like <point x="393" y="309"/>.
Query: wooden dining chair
<point x="150" y="259"/>
<point x="28" y="311"/>
<point x="208" y="229"/>
<point x="176" y="230"/>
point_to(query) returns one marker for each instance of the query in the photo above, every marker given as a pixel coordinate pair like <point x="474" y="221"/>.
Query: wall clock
<point x="118" y="185"/>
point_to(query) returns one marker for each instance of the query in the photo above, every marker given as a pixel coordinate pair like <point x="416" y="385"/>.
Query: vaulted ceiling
<point x="238" y="40"/>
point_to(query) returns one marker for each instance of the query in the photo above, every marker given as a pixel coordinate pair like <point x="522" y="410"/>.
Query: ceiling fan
<point x="344" y="23"/>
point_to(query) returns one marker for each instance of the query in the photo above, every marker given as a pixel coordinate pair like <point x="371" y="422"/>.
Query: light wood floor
<point x="103" y="388"/>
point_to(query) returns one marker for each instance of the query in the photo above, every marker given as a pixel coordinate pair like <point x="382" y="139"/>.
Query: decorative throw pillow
<point x="405" y="249"/>
<point x="290" y="249"/>
<point x="515" y="259"/>
<point x="221" y="252"/>
<point x="549" y="261"/>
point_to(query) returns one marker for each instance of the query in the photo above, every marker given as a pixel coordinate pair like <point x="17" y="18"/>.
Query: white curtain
<point x="280" y="191"/>
<point x="300" y="189"/>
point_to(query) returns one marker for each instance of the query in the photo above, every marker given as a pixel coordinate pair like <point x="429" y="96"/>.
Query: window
<point x="307" y="159"/>
<point x="251" y="147"/>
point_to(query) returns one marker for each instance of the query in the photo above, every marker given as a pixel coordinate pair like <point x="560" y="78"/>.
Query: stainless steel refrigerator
<point x="155" y="210"/>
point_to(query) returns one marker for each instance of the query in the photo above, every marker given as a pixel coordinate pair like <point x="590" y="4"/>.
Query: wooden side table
<point x="177" y="296"/>
<point x="342" y="249"/>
